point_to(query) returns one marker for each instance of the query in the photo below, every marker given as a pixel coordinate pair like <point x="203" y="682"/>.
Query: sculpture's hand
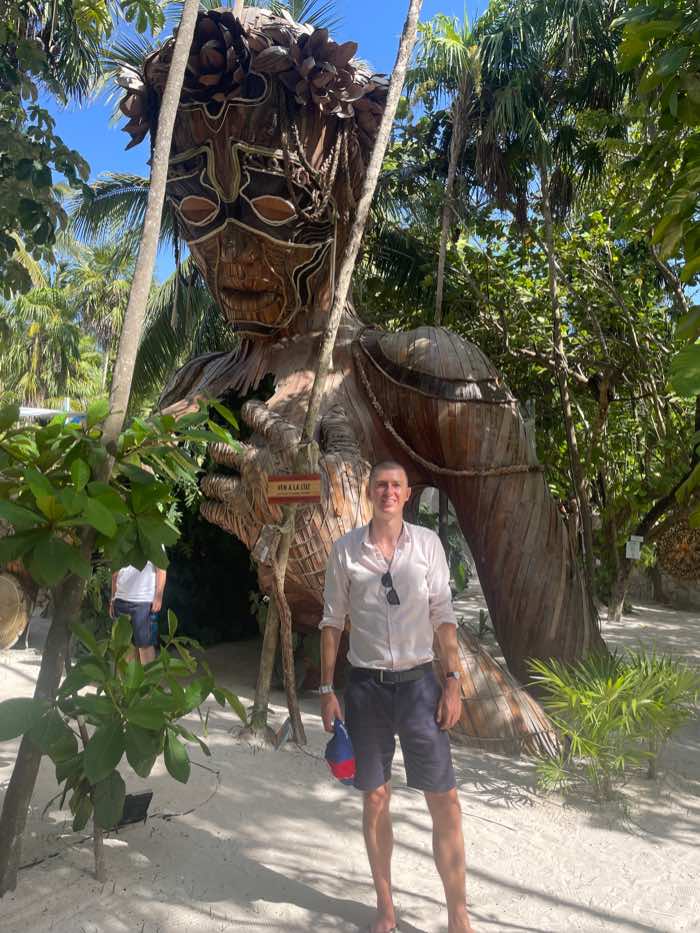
<point x="237" y="500"/>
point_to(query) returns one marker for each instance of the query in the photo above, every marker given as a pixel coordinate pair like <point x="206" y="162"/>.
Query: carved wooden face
<point x="258" y="224"/>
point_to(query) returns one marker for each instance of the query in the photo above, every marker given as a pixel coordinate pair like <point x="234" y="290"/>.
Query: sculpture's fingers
<point x="282" y="435"/>
<point x="337" y="434"/>
<point x="230" y="456"/>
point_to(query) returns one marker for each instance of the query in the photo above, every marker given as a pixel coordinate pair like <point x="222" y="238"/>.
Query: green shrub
<point x="135" y="711"/>
<point x="614" y="712"/>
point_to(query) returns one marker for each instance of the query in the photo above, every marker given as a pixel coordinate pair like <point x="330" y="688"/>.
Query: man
<point x="138" y="593"/>
<point x="392" y="580"/>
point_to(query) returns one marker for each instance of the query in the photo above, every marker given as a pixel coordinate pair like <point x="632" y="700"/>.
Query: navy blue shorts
<point x="376" y="713"/>
<point x="140" y="615"/>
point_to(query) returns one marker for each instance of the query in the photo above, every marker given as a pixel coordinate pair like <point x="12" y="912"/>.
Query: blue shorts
<point x="140" y="615"/>
<point x="376" y="713"/>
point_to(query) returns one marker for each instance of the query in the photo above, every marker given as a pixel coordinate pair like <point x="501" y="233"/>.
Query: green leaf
<point x="80" y="472"/>
<point x="142" y="748"/>
<point x="122" y="632"/>
<point x="108" y="798"/>
<point x="19" y="715"/>
<point x="177" y="761"/>
<point x="97" y="412"/>
<point x="54" y="737"/>
<point x="104" y="751"/>
<point x="86" y="637"/>
<point x="51" y="560"/>
<point x="38" y="483"/>
<point x="100" y="518"/>
<point x="172" y="623"/>
<point x="9" y="415"/>
<point x="688" y="327"/>
<point x="134" y="675"/>
<point x="145" y="715"/>
<point x="685" y="371"/>
<point x="145" y="496"/>
<point x="81" y="805"/>
<point x="15" y="546"/>
<point x="235" y="704"/>
<point x="69" y="768"/>
<point x="17" y="515"/>
<point x="225" y="413"/>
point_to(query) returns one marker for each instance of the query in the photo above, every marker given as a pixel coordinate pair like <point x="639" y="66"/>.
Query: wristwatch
<point x="326" y="688"/>
<point x="457" y="675"/>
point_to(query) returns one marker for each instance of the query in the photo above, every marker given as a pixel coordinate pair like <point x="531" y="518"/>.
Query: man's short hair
<point x="387" y="465"/>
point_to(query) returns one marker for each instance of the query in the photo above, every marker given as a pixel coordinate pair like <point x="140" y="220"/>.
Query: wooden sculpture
<point x="275" y="128"/>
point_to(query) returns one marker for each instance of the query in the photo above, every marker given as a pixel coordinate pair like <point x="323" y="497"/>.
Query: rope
<point x="434" y="467"/>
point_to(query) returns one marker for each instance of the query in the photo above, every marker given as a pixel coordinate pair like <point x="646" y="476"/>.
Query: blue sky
<point x="374" y="24"/>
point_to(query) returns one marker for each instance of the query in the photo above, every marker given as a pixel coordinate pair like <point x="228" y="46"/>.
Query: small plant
<point x="135" y="711"/>
<point x="614" y="712"/>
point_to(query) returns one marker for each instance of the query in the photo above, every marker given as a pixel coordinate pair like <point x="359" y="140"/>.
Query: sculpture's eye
<point x="198" y="210"/>
<point x="274" y="210"/>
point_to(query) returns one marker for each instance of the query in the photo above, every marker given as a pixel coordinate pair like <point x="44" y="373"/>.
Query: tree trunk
<point x="70" y="593"/>
<point x="456" y="144"/>
<point x="561" y="365"/>
<point x="143" y="272"/>
<point x="66" y="599"/>
<point x="307" y="452"/>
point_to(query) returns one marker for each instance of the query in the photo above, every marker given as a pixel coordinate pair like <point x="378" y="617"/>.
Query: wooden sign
<point x="304" y="488"/>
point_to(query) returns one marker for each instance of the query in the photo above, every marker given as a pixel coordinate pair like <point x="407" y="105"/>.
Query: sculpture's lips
<point x="248" y="301"/>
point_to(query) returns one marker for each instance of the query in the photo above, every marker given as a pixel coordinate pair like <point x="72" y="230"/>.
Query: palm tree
<point x="100" y="278"/>
<point x="543" y="64"/>
<point x="47" y="357"/>
<point x="448" y="64"/>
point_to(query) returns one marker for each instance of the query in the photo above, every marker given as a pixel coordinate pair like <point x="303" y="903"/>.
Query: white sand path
<point x="264" y="840"/>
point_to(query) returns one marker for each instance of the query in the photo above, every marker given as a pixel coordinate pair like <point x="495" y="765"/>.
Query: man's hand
<point x="112" y="614"/>
<point x="450" y="706"/>
<point x="330" y="710"/>
<point x="157" y="603"/>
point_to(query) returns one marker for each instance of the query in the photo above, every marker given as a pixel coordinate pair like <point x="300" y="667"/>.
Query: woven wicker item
<point x="14" y="610"/>
<point x="678" y="551"/>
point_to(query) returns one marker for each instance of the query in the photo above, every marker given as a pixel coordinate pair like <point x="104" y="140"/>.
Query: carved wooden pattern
<point x="275" y="129"/>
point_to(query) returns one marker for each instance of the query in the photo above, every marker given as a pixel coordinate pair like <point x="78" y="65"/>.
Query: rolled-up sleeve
<point x="439" y="592"/>
<point x="336" y="592"/>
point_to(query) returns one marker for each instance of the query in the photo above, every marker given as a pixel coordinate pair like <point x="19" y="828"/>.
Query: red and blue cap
<point x="339" y="754"/>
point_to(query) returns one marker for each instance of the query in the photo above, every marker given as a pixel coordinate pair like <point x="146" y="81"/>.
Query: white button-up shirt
<point x="381" y="635"/>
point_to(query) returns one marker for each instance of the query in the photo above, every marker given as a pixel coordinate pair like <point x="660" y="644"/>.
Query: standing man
<point x="392" y="580"/>
<point x="138" y="593"/>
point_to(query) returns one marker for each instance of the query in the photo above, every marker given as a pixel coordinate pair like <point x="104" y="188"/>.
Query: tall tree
<point x="23" y="779"/>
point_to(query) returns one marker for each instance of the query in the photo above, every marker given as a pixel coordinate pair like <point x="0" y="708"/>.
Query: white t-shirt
<point x="136" y="586"/>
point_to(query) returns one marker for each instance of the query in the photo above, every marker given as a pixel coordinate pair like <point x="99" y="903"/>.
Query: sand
<point x="265" y="840"/>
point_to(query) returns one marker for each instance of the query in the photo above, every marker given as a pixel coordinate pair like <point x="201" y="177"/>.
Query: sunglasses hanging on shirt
<point x="392" y="597"/>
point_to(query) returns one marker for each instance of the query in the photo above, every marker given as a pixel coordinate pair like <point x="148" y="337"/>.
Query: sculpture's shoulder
<point x="431" y="361"/>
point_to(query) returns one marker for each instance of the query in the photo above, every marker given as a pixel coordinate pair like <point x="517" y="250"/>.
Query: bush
<point x="614" y="712"/>
<point x="135" y="711"/>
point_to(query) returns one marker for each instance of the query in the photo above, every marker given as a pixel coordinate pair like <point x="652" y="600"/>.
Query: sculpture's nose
<point x="237" y="245"/>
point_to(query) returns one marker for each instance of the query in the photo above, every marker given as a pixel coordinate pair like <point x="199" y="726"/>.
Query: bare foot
<point x="384" y="922"/>
<point x="459" y="923"/>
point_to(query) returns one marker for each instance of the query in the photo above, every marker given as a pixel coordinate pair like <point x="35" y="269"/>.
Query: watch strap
<point x="326" y="688"/>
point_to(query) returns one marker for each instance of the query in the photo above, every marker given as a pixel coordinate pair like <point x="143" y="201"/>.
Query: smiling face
<point x="389" y="491"/>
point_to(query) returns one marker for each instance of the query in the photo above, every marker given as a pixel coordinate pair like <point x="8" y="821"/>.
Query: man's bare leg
<point x="379" y="840"/>
<point x="448" y="849"/>
<point x="147" y="654"/>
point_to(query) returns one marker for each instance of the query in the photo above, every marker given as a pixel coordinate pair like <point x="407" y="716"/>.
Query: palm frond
<point x="182" y="320"/>
<point x="115" y="209"/>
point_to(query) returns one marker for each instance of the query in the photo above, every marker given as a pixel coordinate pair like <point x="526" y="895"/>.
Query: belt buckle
<point x="381" y="676"/>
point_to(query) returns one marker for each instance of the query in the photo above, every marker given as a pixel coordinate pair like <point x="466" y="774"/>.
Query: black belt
<point x="391" y="677"/>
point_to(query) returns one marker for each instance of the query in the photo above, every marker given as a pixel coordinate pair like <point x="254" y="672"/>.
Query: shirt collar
<point x="404" y="537"/>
